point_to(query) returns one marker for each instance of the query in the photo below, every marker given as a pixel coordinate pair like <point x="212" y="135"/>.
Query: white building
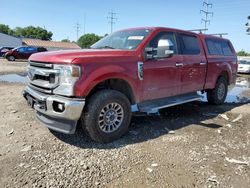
<point x="9" y="41"/>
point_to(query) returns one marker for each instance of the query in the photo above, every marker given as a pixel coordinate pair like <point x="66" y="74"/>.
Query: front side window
<point x="123" y="40"/>
<point x="22" y="50"/>
<point x="163" y="35"/>
<point x="31" y="49"/>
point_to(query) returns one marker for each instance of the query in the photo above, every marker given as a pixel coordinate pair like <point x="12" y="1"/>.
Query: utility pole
<point x="248" y="26"/>
<point x="206" y="7"/>
<point x="77" y="27"/>
<point x="84" y="24"/>
<point x="112" y="19"/>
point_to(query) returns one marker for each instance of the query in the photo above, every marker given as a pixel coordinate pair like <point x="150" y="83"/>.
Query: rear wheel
<point x="218" y="95"/>
<point x="107" y="116"/>
<point x="11" y="58"/>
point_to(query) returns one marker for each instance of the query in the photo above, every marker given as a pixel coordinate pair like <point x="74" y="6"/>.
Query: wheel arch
<point x="115" y="83"/>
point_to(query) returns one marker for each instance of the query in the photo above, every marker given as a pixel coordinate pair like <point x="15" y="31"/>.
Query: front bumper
<point x="55" y="112"/>
<point x="243" y="71"/>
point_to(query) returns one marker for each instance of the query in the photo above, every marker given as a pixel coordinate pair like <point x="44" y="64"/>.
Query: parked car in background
<point x="23" y="52"/>
<point x="3" y="50"/>
<point x="244" y="66"/>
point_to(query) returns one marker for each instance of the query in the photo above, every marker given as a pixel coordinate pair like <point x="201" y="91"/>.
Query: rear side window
<point x="41" y="49"/>
<point x="189" y="45"/>
<point x="218" y="47"/>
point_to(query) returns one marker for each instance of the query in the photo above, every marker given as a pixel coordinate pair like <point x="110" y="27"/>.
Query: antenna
<point x="207" y="13"/>
<point x="77" y="27"/>
<point x="112" y="19"/>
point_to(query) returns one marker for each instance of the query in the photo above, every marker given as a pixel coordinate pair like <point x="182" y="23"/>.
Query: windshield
<point x="245" y="62"/>
<point x="123" y="40"/>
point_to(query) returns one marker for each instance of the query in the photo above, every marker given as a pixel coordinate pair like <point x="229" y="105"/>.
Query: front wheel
<point x="107" y="116"/>
<point x="218" y="95"/>
<point x="11" y="58"/>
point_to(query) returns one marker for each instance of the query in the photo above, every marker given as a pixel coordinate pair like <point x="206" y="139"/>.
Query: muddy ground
<point x="192" y="145"/>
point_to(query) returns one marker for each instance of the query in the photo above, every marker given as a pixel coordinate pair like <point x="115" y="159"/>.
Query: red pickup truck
<point x="133" y="70"/>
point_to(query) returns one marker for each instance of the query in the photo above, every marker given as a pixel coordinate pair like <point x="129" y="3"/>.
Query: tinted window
<point x="22" y="50"/>
<point x="226" y="48"/>
<point x="243" y="62"/>
<point x="218" y="47"/>
<point x="41" y="49"/>
<point x="189" y="45"/>
<point x="31" y="50"/>
<point x="163" y="35"/>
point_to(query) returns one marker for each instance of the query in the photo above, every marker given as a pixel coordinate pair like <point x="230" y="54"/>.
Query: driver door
<point x="162" y="77"/>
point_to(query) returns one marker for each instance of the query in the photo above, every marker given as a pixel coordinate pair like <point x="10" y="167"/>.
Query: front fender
<point x="94" y="75"/>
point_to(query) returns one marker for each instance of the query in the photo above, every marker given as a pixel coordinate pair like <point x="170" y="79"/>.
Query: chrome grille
<point x="43" y="77"/>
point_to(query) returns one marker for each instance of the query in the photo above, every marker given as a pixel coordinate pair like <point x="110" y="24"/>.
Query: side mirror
<point x="165" y="48"/>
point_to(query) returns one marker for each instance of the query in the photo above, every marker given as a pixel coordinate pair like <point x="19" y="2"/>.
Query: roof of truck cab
<point x="158" y="28"/>
<point x="176" y="30"/>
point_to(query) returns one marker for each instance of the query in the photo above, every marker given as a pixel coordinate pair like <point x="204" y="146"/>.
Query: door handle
<point x="179" y="64"/>
<point x="203" y="63"/>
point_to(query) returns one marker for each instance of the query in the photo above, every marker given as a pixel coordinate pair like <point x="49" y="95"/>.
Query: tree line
<point x="243" y="53"/>
<point x="27" y="32"/>
<point x="85" y="41"/>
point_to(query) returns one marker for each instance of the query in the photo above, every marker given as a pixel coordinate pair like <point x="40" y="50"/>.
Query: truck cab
<point x="133" y="70"/>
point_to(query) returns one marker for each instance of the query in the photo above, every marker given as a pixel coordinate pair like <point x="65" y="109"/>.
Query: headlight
<point x="69" y="75"/>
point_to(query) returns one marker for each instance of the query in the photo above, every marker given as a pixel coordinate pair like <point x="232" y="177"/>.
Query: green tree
<point x="5" y="29"/>
<point x="87" y="40"/>
<point x="33" y="32"/>
<point x="65" y="40"/>
<point x="243" y="53"/>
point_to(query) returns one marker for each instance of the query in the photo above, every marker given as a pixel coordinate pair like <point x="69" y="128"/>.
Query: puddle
<point x="236" y="94"/>
<point x="14" y="78"/>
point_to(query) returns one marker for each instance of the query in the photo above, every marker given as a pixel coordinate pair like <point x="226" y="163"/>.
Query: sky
<point x="60" y="16"/>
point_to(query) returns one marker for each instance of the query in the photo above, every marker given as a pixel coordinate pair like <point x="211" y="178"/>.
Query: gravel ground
<point x="8" y="67"/>
<point x="192" y="145"/>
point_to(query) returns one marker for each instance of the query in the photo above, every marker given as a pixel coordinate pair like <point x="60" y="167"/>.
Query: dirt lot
<point x="192" y="145"/>
<point x="7" y="67"/>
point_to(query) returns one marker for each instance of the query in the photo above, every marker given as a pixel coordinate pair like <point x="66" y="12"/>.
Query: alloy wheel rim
<point x="221" y="91"/>
<point x="111" y="117"/>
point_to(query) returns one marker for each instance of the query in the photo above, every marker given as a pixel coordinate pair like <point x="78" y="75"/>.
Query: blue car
<point x="3" y="50"/>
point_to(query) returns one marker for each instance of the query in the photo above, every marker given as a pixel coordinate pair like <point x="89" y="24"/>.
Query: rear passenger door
<point x="193" y="73"/>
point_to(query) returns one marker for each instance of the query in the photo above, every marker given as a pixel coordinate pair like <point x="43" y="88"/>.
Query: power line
<point x="206" y="7"/>
<point x="112" y="19"/>
<point x="77" y="27"/>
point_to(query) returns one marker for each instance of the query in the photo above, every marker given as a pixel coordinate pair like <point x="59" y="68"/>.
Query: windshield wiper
<point x="105" y="47"/>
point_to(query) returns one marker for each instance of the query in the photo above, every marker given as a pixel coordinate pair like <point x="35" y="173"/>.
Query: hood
<point x="68" y="56"/>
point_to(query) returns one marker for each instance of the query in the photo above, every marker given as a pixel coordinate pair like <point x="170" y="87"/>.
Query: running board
<point x="153" y="106"/>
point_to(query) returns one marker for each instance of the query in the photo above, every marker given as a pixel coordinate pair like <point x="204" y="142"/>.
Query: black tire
<point x="92" y="115"/>
<point x="11" y="58"/>
<point x="216" y="96"/>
